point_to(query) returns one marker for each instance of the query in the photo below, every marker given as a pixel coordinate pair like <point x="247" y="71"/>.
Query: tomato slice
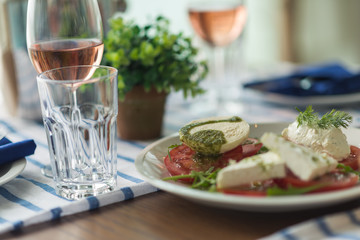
<point x="235" y="154"/>
<point x="251" y="147"/>
<point x="183" y="159"/>
<point x="180" y="161"/>
<point x="331" y="181"/>
<point x="353" y="159"/>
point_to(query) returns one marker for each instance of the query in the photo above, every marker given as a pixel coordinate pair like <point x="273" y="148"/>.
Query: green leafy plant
<point x="151" y="56"/>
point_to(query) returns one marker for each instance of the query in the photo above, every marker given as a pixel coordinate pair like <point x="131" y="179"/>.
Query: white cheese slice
<point x="302" y="161"/>
<point x="235" y="133"/>
<point x="255" y="168"/>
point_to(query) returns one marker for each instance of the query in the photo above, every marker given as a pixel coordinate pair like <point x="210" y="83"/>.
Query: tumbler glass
<point x="79" y="109"/>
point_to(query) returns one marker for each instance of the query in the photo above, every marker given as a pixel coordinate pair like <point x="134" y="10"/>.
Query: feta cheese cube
<point x="255" y="168"/>
<point x="302" y="161"/>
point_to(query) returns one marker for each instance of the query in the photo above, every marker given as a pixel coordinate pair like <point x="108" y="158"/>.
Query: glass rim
<point x="40" y="77"/>
<point x="199" y="5"/>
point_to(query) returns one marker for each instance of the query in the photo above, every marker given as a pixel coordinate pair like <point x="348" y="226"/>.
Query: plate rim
<point x="16" y="168"/>
<point x="267" y="204"/>
<point x="318" y="100"/>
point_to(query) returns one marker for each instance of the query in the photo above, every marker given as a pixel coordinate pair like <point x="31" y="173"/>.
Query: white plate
<point x="11" y="170"/>
<point x="150" y="165"/>
<point x="283" y="99"/>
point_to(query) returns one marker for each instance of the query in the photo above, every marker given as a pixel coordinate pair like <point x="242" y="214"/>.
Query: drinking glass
<point x="218" y="23"/>
<point x="63" y="33"/>
<point x="79" y="116"/>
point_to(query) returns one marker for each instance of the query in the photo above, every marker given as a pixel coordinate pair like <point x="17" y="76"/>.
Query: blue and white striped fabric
<point x="344" y="225"/>
<point x="30" y="198"/>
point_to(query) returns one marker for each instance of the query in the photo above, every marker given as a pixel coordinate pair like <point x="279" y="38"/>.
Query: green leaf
<point x="347" y="169"/>
<point x="116" y="23"/>
<point x="333" y="118"/>
<point x="204" y="180"/>
<point x="134" y="54"/>
<point x="276" y="191"/>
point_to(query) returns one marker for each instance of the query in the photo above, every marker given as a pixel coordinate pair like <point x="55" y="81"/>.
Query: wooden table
<point x="162" y="215"/>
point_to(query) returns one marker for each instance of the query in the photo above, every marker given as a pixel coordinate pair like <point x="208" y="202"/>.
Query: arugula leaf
<point x="202" y="180"/>
<point x="333" y="118"/>
<point x="347" y="169"/>
<point x="276" y="191"/>
<point x="262" y="150"/>
<point x="174" y="146"/>
<point x="169" y="148"/>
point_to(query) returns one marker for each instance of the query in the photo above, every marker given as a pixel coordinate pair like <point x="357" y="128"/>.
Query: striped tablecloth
<point x="344" y="225"/>
<point x="30" y="198"/>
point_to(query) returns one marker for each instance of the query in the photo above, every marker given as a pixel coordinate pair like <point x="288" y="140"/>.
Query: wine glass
<point x="63" y="33"/>
<point x="218" y="23"/>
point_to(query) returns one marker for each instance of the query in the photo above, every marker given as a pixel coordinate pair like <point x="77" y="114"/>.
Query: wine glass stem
<point x="219" y="65"/>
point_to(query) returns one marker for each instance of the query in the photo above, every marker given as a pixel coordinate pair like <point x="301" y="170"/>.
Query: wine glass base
<point x="46" y="171"/>
<point x="216" y="105"/>
<point x="221" y="98"/>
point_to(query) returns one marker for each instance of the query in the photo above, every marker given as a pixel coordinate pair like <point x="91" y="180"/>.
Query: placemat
<point x="344" y="225"/>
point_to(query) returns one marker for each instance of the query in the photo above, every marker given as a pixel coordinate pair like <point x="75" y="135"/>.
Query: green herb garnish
<point x="347" y="169"/>
<point x="202" y="180"/>
<point x="276" y="191"/>
<point x="262" y="150"/>
<point x="169" y="148"/>
<point x="333" y="118"/>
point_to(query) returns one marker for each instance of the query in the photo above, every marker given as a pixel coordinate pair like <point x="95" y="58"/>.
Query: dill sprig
<point x="333" y="118"/>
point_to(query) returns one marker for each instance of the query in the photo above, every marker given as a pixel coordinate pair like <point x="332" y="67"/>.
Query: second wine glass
<point x="218" y="23"/>
<point x="63" y="33"/>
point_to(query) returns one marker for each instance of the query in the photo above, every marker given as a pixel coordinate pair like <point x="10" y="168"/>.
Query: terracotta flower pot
<point x="140" y="115"/>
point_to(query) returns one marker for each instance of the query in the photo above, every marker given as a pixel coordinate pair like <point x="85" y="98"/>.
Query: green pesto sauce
<point x="204" y="162"/>
<point x="206" y="142"/>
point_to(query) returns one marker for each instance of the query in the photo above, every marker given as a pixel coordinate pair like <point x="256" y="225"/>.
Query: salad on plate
<point x="311" y="155"/>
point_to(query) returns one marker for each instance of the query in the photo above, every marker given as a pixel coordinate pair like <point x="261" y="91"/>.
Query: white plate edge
<point x="16" y="168"/>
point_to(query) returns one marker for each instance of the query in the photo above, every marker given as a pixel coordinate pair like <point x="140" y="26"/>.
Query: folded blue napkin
<point x="10" y="151"/>
<point x="328" y="79"/>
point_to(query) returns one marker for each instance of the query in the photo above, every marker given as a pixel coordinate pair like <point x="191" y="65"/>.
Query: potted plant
<point x="151" y="62"/>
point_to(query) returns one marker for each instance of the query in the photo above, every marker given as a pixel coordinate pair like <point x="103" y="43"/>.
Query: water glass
<point x="79" y="109"/>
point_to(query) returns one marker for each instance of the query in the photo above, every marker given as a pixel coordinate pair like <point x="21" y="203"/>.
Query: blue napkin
<point x="10" y="151"/>
<point x="328" y="79"/>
